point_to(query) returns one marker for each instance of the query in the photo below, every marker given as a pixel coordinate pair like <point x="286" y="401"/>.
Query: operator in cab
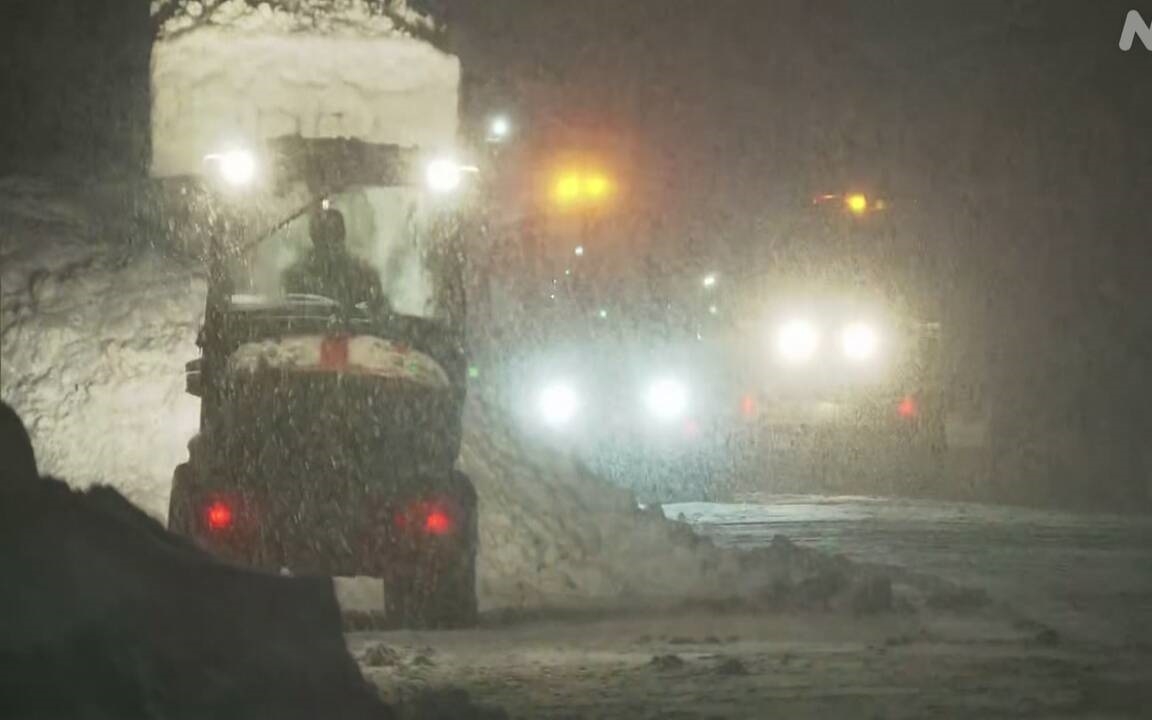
<point x="330" y="270"/>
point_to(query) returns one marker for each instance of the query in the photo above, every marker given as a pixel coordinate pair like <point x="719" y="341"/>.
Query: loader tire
<point x="440" y="593"/>
<point x="443" y="597"/>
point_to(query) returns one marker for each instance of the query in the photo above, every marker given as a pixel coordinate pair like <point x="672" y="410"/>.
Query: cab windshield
<point x="368" y="248"/>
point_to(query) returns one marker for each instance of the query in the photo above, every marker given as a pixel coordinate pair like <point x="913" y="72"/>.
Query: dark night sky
<point x="1017" y="129"/>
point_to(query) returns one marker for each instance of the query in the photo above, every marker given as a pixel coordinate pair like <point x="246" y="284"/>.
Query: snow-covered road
<point x="1068" y="631"/>
<point x="1088" y="576"/>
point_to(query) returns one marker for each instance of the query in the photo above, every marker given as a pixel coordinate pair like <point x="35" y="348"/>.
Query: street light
<point x="499" y="129"/>
<point x="709" y="280"/>
<point x="579" y="251"/>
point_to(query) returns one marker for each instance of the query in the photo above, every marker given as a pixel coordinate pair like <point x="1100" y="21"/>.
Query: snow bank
<point x="95" y="332"/>
<point x="243" y="74"/>
<point x="554" y="535"/>
<point x="93" y="336"/>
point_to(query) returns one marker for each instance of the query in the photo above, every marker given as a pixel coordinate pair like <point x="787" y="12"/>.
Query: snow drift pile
<point x="95" y="332"/>
<point x="552" y="534"/>
<point x="94" y="337"/>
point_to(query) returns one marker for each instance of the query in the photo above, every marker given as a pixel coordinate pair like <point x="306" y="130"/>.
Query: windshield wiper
<point x="310" y="299"/>
<point x="251" y="245"/>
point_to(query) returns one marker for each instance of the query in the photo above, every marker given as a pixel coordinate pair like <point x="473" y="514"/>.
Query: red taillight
<point x="437" y="522"/>
<point x="748" y="406"/>
<point x="908" y="409"/>
<point x="430" y="518"/>
<point x="219" y="516"/>
<point x="691" y="429"/>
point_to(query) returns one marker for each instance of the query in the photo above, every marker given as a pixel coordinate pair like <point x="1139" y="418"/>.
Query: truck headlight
<point x="797" y="341"/>
<point x="666" y="398"/>
<point x="558" y="404"/>
<point x="859" y="341"/>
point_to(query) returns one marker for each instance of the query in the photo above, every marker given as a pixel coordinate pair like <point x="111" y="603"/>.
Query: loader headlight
<point x="443" y="175"/>
<point x="666" y="398"/>
<point x="859" y="342"/>
<point x="235" y="167"/>
<point x="558" y="404"/>
<point x="797" y="341"/>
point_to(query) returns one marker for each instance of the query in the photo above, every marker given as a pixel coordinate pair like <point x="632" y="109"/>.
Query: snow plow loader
<point x="304" y="153"/>
<point x="332" y="381"/>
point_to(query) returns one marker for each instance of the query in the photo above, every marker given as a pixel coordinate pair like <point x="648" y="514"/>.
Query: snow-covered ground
<point x="1067" y="634"/>
<point x="1089" y="576"/>
<point x="709" y="665"/>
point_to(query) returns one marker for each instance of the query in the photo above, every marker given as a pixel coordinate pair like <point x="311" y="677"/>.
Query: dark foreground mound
<point x="104" y="614"/>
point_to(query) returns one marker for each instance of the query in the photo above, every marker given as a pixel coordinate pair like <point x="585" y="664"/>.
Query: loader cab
<point x="335" y="265"/>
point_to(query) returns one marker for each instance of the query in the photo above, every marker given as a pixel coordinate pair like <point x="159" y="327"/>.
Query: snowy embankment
<point x="95" y="331"/>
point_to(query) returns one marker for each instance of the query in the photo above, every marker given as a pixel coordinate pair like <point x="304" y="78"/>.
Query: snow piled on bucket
<point x="94" y="332"/>
<point x="236" y="74"/>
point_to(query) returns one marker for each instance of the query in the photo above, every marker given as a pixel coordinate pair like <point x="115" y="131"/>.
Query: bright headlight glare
<point x="558" y="404"/>
<point x="797" y="341"/>
<point x="859" y="341"/>
<point x="499" y="127"/>
<point x="666" y="398"/>
<point x="443" y="175"/>
<point x="235" y="167"/>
